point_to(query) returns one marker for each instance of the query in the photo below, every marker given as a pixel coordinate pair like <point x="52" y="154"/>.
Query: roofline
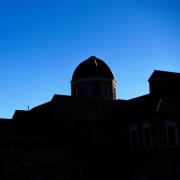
<point x="143" y="96"/>
<point x="5" y="119"/>
<point x="161" y="71"/>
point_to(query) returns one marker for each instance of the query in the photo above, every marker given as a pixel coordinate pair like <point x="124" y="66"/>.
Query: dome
<point x="91" y="68"/>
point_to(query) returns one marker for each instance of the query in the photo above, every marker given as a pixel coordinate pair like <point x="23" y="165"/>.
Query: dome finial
<point x="92" y="57"/>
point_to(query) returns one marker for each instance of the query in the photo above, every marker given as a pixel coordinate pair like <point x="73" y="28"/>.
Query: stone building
<point x="92" y="135"/>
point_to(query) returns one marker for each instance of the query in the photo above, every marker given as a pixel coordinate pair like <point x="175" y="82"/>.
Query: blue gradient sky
<point x="42" y="42"/>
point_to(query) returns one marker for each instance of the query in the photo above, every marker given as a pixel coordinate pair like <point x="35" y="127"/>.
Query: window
<point x="88" y="91"/>
<point x="76" y="170"/>
<point x="3" y="168"/>
<point x="104" y="91"/>
<point x="173" y="169"/>
<point x="75" y="91"/>
<point x="114" y="93"/>
<point x="99" y="137"/>
<point x="133" y="136"/>
<point x="171" y="133"/>
<point x="146" y="135"/>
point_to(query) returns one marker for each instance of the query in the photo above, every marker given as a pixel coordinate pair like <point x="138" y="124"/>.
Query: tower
<point x="93" y="78"/>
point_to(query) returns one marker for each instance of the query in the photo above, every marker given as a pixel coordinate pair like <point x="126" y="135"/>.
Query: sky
<point x="43" y="41"/>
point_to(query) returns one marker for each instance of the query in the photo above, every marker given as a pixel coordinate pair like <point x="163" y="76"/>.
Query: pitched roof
<point x="169" y="104"/>
<point x="85" y="108"/>
<point x="18" y="114"/>
<point x="143" y="104"/>
<point x="149" y="104"/>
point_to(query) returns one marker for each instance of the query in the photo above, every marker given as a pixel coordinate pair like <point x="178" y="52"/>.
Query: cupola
<point x="93" y="78"/>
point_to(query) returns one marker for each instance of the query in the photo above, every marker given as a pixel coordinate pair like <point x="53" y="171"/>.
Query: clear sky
<point x="42" y="42"/>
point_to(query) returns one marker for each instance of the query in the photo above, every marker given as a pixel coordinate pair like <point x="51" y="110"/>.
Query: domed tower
<point x="93" y="78"/>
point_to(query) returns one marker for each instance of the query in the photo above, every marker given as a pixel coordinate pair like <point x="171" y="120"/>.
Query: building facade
<point x="92" y="135"/>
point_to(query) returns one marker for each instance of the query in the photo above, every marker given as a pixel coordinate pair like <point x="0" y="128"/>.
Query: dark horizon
<point x="42" y="42"/>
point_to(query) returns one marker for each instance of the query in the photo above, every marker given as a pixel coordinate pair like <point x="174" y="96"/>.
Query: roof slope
<point x="149" y="104"/>
<point x="85" y="108"/>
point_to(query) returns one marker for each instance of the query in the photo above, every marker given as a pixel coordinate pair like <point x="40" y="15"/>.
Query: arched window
<point x="171" y="133"/>
<point x="133" y="136"/>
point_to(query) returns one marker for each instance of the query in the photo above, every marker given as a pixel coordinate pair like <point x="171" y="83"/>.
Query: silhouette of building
<point x="91" y="135"/>
<point x="93" y="78"/>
